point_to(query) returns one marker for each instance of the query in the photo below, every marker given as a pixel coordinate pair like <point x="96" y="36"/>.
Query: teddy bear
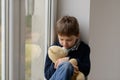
<point x="56" y="52"/>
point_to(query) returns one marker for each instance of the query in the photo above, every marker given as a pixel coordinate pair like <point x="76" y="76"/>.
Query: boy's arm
<point x="84" y="63"/>
<point x="49" y="68"/>
<point x="49" y="65"/>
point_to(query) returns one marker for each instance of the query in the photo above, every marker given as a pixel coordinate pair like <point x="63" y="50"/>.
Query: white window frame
<point x="13" y="36"/>
<point x="13" y="40"/>
<point x="50" y="20"/>
<point x="51" y="13"/>
<point x="4" y="39"/>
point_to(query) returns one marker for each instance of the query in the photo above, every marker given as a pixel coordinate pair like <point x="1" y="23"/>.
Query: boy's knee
<point x="67" y="66"/>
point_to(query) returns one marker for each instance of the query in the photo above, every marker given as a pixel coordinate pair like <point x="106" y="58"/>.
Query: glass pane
<point x="35" y="37"/>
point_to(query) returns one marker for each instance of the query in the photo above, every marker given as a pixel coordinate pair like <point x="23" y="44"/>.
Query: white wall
<point x="105" y="39"/>
<point x="79" y="9"/>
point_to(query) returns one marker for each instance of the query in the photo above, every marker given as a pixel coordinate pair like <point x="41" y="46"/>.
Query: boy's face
<point x="67" y="41"/>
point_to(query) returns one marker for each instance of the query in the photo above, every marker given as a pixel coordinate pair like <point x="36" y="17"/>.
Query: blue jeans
<point x="64" y="72"/>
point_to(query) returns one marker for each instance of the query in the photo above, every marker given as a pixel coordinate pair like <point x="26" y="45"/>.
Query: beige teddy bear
<point x="56" y="52"/>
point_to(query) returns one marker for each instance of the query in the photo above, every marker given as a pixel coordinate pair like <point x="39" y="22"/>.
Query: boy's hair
<point x="67" y="26"/>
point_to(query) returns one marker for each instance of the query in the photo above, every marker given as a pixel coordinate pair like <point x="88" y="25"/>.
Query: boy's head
<point x="67" y="25"/>
<point x="67" y="29"/>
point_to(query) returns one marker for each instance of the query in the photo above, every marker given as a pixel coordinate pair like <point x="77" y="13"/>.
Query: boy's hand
<point x="74" y="64"/>
<point x="76" y="70"/>
<point x="59" y="61"/>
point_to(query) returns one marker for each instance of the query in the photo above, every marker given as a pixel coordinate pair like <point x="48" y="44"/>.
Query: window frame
<point x="13" y="40"/>
<point x="4" y="39"/>
<point x="50" y="19"/>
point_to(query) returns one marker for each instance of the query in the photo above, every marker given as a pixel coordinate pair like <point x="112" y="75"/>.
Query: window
<point x="25" y="38"/>
<point x="35" y="40"/>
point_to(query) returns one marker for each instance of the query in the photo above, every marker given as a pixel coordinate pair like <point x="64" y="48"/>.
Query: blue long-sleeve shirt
<point x="81" y="52"/>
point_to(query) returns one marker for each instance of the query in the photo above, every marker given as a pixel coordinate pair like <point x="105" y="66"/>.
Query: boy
<point x="67" y="29"/>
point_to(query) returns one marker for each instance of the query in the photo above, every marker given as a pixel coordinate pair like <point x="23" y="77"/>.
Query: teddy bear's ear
<point x="56" y="52"/>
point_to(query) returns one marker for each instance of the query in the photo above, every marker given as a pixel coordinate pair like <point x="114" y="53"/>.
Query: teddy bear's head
<point x="56" y="52"/>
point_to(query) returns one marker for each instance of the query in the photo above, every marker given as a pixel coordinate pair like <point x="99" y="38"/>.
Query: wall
<point x="79" y="9"/>
<point x="105" y="40"/>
